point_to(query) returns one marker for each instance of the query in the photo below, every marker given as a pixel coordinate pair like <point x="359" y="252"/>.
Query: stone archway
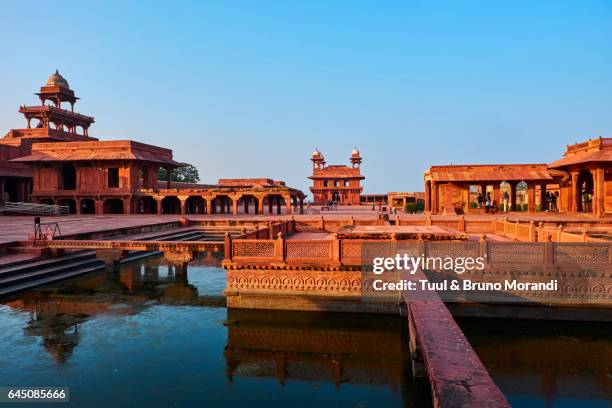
<point x="113" y="206"/>
<point x="249" y="203"/>
<point x="171" y="205"/>
<point x="68" y="202"/>
<point x="195" y="205"/>
<point x="88" y="206"/>
<point x="147" y="205"/>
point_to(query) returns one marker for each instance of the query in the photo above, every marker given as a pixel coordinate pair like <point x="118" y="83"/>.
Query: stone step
<point x="48" y="279"/>
<point x="8" y="279"/>
<point x="28" y="265"/>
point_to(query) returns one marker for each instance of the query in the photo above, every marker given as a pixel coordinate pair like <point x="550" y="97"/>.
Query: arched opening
<point x="67" y="180"/>
<point x="221" y="204"/>
<point x="272" y="203"/>
<point x="148" y="205"/>
<point x="88" y="206"/>
<point x="505" y="193"/>
<point x="522" y="197"/>
<point x="249" y="204"/>
<point x="11" y="190"/>
<point x="46" y="201"/>
<point x="195" y="205"/>
<point x="585" y="191"/>
<point x="68" y="202"/>
<point x="171" y="205"/>
<point x="113" y="206"/>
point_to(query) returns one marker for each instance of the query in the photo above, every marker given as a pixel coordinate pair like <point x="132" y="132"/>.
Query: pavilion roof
<point x="604" y="155"/>
<point x="98" y="150"/>
<point x="474" y="173"/>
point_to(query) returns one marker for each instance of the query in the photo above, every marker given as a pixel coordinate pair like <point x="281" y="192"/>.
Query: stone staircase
<point x="26" y="274"/>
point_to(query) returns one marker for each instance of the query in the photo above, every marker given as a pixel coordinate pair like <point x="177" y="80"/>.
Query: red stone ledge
<point x="457" y="376"/>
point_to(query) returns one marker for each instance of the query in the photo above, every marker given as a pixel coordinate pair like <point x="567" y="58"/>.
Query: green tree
<point x="187" y="174"/>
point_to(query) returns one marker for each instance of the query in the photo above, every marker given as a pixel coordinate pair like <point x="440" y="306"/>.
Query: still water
<point x="148" y="336"/>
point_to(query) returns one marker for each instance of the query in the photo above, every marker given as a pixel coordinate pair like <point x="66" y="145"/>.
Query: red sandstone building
<point x="338" y="183"/>
<point x="582" y="179"/>
<point x="55" y="161"/>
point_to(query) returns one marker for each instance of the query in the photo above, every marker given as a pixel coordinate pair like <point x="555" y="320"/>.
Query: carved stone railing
<point x="336" y="252"/>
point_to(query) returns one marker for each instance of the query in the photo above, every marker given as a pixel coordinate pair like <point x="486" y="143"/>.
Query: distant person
<point x="480" y="200"/>
<point x="506" y="201"/>
<point x="488" y="203"/>
<point x="553" y="198"/>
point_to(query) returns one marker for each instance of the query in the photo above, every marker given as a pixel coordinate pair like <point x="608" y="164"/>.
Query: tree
<point x="187" y="174"/>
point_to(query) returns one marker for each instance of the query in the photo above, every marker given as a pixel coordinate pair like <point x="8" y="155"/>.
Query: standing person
<point x="554" y="197"/>
<point x="506" y="201"/>
<point x="480" y="200"/>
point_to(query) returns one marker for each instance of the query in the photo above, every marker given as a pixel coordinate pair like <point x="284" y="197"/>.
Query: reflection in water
<point x="313" y="346"/>
<point x="57" y="310"/>
<point x="153" y="336"/>
<point x="545" y="363"/>
<point x="158" y="337"/>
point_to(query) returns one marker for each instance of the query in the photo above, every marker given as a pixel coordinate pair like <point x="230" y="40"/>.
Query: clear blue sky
<point x="249" y="89"/>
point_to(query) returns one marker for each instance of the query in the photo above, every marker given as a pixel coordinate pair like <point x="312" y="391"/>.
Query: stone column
<point x="78" y="207"/>
<point x="169" y="173"/>
<point x="513" y="196"/>
<point x="434" y="197"/>
<point x="542" y="197"/>
<point x="127" y="205"/>
<point x="99" y="206"/>
<point x="598" y="192"/>
<point x="278" y="205"/>
<point x="205" y="205"/>
<point x="287" y="203"/>
<point x="158" y="201"/>
<point x="302" y="205"/>
<point x="531" y="197"/>
<point x="427" y="196"/>
<point x="575" y="203"/>
<point x="258" y="205"/>
<point x="235" y="201"/>
<point x="183" y="200"/>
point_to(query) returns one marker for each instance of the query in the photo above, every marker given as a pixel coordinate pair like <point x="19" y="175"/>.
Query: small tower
<point x="57" y="91"/>
<point x="355" y="158"/>
<point x="318" y="161"/>
<point x="52" y="121"/>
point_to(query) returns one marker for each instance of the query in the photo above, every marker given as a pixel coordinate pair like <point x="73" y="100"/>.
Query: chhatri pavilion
<point x="581" y="182"/>
<point x="55" y="161"/>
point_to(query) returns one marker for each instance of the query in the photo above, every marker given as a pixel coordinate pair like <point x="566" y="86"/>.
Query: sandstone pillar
<point x="235" y="205"/>
<point x="575" y="204"/>
<point x="258" y="205"/>
<point x="543" y="197"/>
<point x="512" y="196"/>
<point x="531" y="197"/>
<point x="434" y="198"/>
<point x="287" y="203"/>
<point x="599" y="204"/>
<point x="183" y="200"/>
<point x="427" y="196"/>
<point x="99" y="206"/>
